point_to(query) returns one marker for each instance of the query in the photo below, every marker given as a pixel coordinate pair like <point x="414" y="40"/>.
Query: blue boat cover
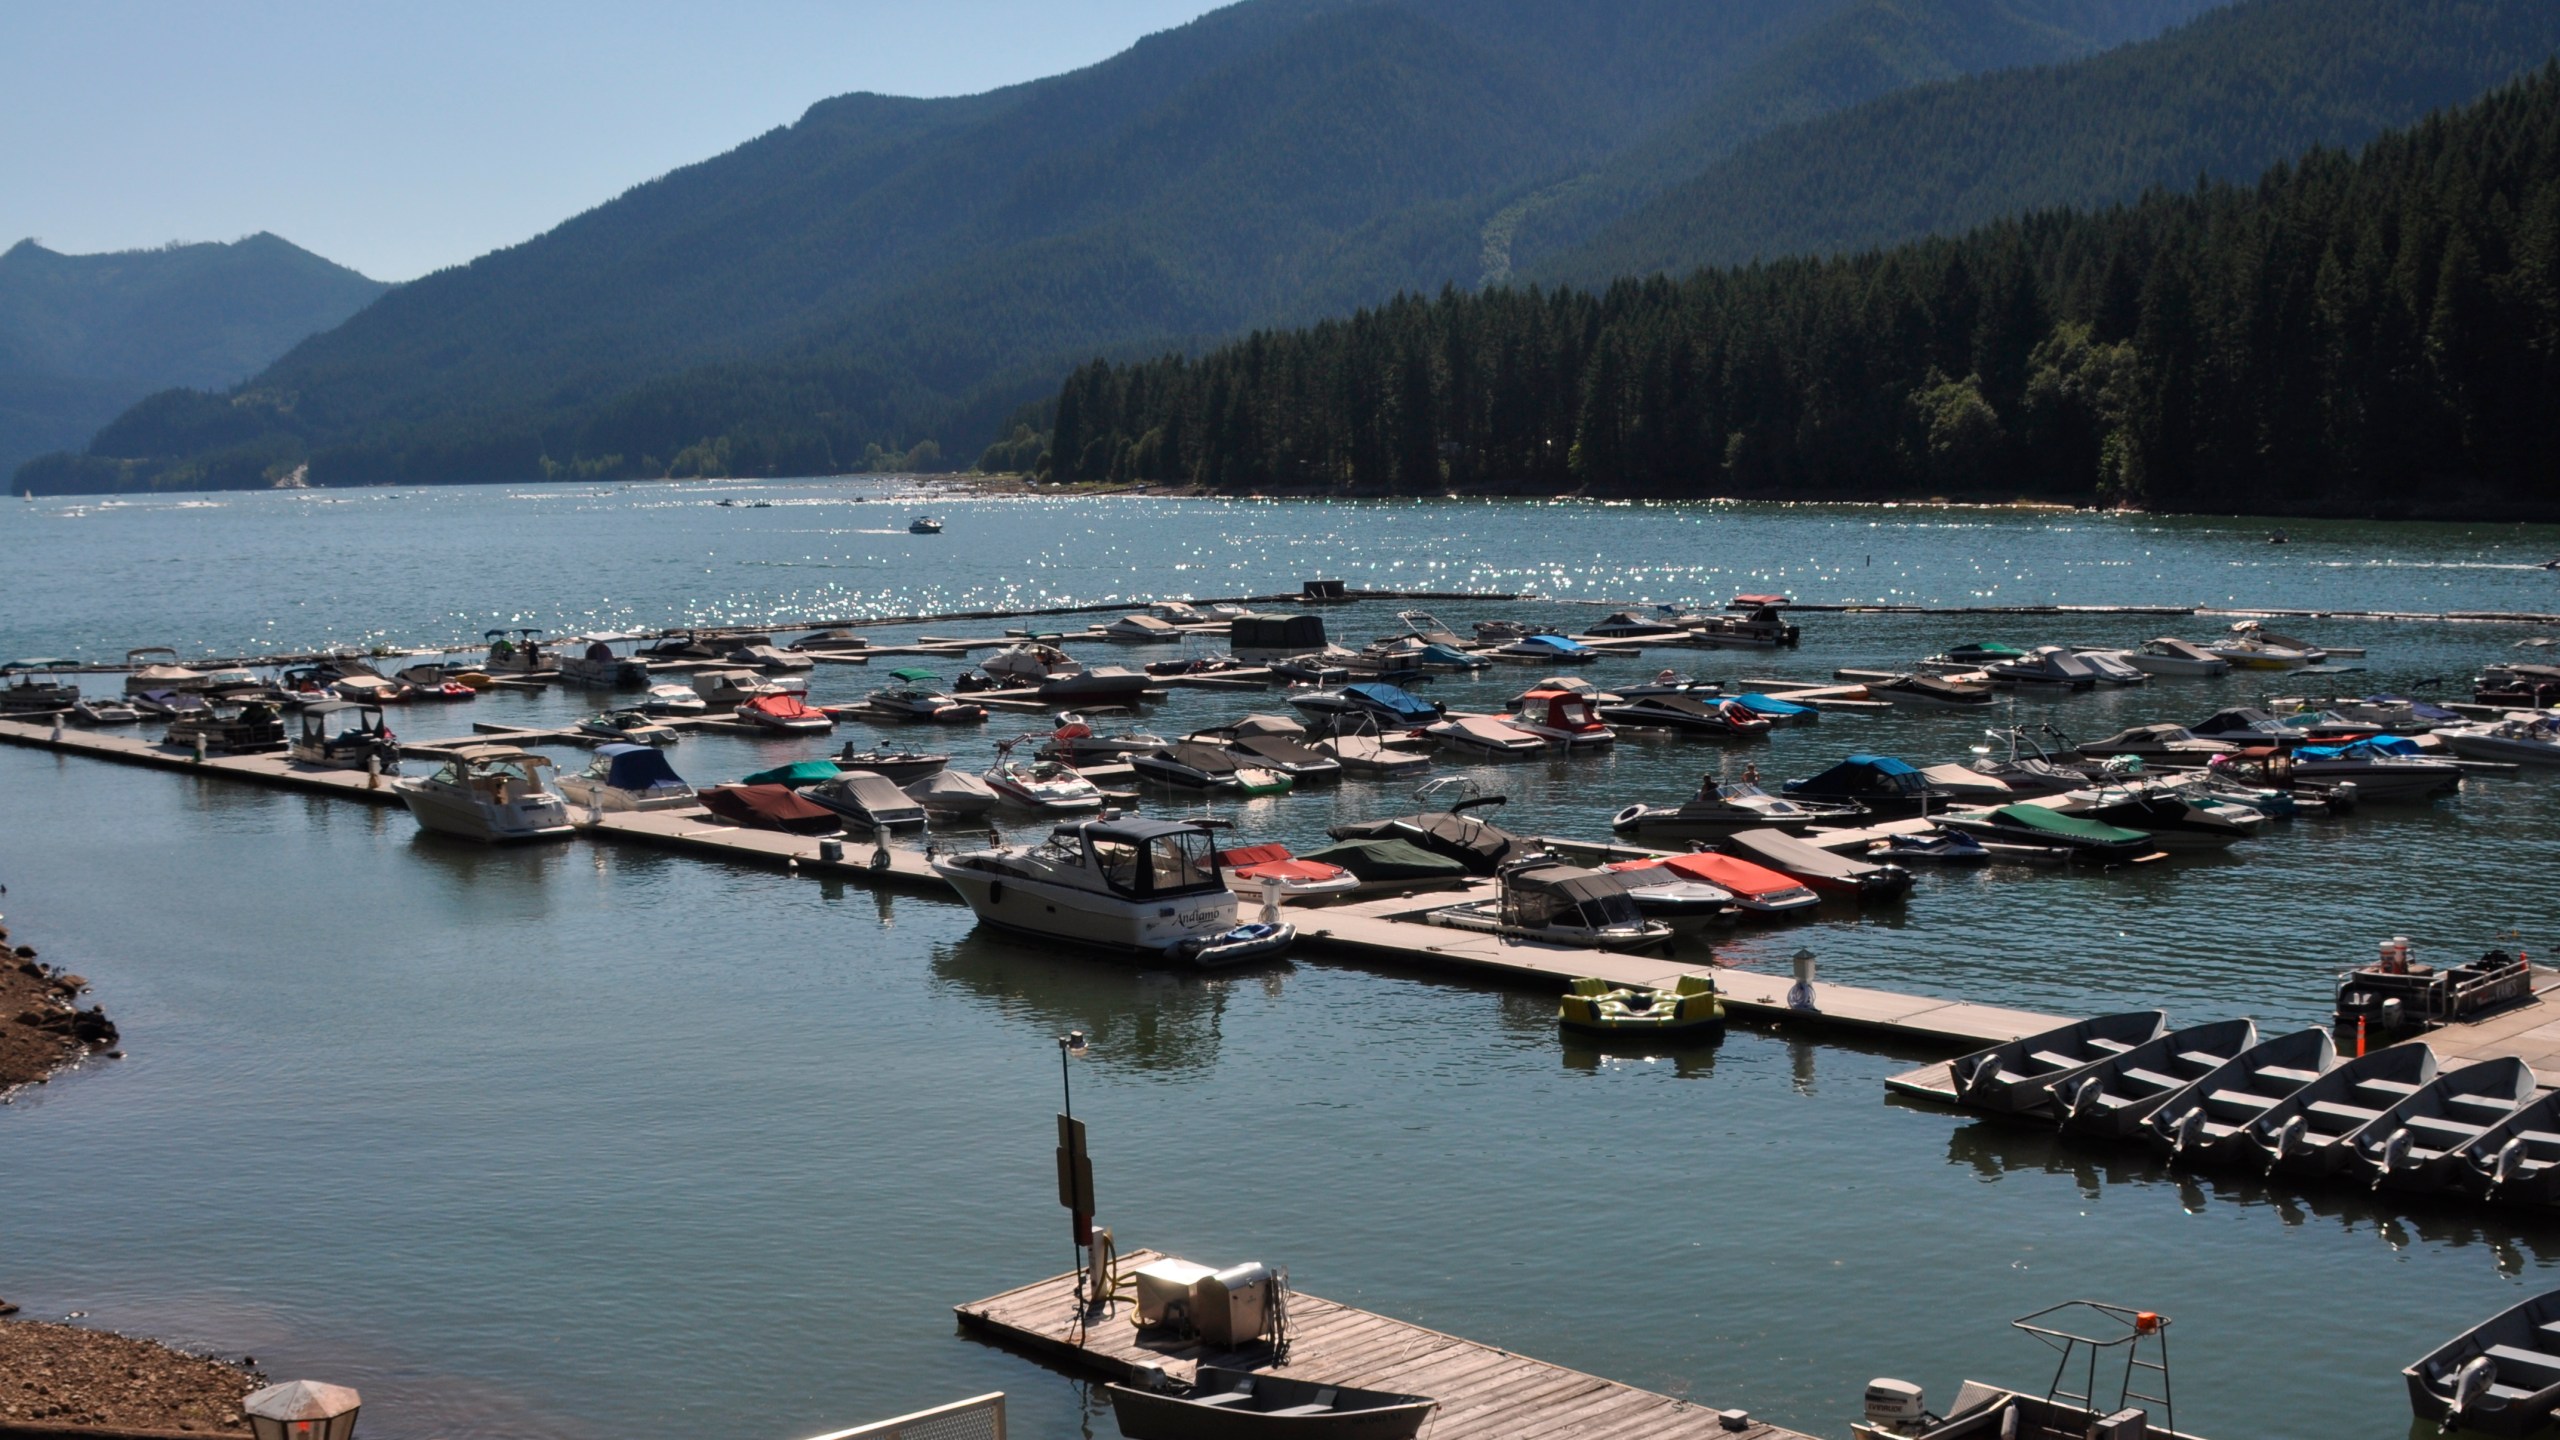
<point x="1771" y="705"/>
<point x="1403" y="704"/>
<point x="1863" y="775"/>
<point x="1443" y="655"/>
<point x="1558" y="643"/>
<point x="2379" y="747"/>
<point x="639" y="767"/>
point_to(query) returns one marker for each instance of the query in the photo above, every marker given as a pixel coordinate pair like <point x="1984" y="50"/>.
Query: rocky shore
<point x="42" y="1024"/>
<point x="60" y="1376"/>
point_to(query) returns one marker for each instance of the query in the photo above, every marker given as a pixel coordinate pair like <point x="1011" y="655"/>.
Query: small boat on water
<point x="2383" y="770"/>
<point x="2046" y="666"/>
<point x="1150" y="887"/>
<point x="2022" y="1076"/>
<point x="1933" y="692"/>
<point x="673" y="700"/>
<point x="1357" y="746"/>
<point x="1936" y="847"/>
<point x="1195" y="765"/>
<point x="1227" y="1404"/>
<point x="729" y="689"/>
<point x="628" y="777"/>
<point x="1545" y="650"/>
<point x="1546" y="899"/>
<point x="1760" y="628"/>
<point x="1823" y="870"/>
<point x="2171" y="743"/>
<point x="901" y="766"/>
<point x="1888" y="788"/>
<point x="1141" y="630"/>
<point x="1250" y="868"/>
<point x="518" y="652"/>
<point x="2086" y="839"/>
<point x="1273" y="742"/>
<point x="2170" y="656"/>
<point x="2518" y="739"/>
<point x="919" y="699"/>
<point x="155" y="667"/>
<point x="598" y="667"/>
<point x="1562" y="718"/>
<point x="439" y="683"/>
<point x="2510" y="686"/>
<point x="866" y="801"/>
<point x="2516" y="1161"/>
<point x="1777" y="711"/>
<point x="2418" y="1145"/>
<point x="770" y="807"/>
<point x="350" y="746"/>
<point x="2500" y="1377"/>
<point x="2173" y="820"/>
<point x="1689" y="1010"/>
<point x="2250" y="652"/>
<point x="1426" y="627"/>
<point x="1718" y="719"/>
<point x="768" y="659"/>
<point x="2307" y="1132"/>
<point x="1629" y="625"/>
<point x="1058" y="677"/>
<point x="1384" y="864"/>
<point x="634" y="726"/>
<point x="952" y="794"/>
<point x="1662" y="893"/>
<point x="1713" y="813"/>
<point x="1391" y="706"/>
<point x="1453" y="833"/>
<point x="784" y="714"/>
<point x="1755" y="888"/>
<point x="798" y="775"/>
<point x="104" y="710"/>
<point x="2207" y="1123"/>
<point x="924" y="525"/>
<point x="490" y="793"/>
<point x="169" y="704"/>
<point x="2111" y="1099"/>
<point x="1042" y="785"/>
<point x="1488" y="738"/>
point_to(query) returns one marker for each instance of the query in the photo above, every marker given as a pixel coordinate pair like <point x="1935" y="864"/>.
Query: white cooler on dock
<point x="1164" y="1291"/>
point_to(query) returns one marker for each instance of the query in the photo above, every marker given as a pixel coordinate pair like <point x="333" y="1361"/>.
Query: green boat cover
<point x="2054" y="822"/>
<point x="1387" y="860"/>
<point x="915" y="676"/>
<point x="796" y="774"/>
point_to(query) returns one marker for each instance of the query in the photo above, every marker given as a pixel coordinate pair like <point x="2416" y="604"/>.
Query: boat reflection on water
<point x="1163" y="1021"/>
<point x="1584" y="1055"/>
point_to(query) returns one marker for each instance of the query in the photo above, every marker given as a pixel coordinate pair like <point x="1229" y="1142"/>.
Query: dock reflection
<point x="1160" y="1022"/>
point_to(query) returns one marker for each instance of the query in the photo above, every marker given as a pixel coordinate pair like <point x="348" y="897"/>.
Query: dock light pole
<point x="1075" y="1166"/>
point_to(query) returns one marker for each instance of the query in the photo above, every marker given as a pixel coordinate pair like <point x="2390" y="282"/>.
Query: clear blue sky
<point x="402" y="139"/>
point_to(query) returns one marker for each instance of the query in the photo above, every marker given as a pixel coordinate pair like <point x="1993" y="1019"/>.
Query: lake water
<point x="600" y="1142"/>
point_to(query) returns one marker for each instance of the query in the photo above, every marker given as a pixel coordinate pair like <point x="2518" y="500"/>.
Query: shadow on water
<point x="1157" y="1022"/>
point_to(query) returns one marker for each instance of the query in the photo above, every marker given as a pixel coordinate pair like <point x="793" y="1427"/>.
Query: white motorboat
<point x="1359" y="748"/>
<point x="628" y="777"/>
<point x="628" y="727"/>
<point x="769" y="659"/>
<point x="1179" y="612"/>
<point x="1256" y="870"/>
<point x="1424" y="626"/>
<point x="1077" y="743"/>
<point x="864" y="798"/>
<point x="673" y="700"/>
<point x="1486" y="736"/>
<point x="729" y="689"/>
<point x="1562" y="718"/>
<point x="1153" y="888"/>
<point x="1546" y="899"/>
<point x="1058" y="676"/>
<point x="1571" y="684"/>
<point x="1275" y="742"/>
<point x="2111" y="667"/>
<point x="952" y="793"/>
<point x="1043" y="785"/>
<point x="2045" y="665"/>
<point x="1711" y="815"/>
<point x="489" y="793"/>
<point x="104" y="711"/>
<point x="1198" y="765"/>
<point x="2170" y="656"/>
<point x="598" y="668"/>
<point x="2526" y="738"/>
<point x="2251" y="648"/>
<point x="524" y="654"/>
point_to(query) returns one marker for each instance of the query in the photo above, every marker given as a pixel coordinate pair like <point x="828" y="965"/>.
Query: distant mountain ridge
<point x="84" y="336"/>
<point x="887" y="272"/>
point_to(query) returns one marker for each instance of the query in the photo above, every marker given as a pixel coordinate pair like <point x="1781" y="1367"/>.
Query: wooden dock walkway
<point x="271" y="769"/>
<point x="1483" y="1391"/>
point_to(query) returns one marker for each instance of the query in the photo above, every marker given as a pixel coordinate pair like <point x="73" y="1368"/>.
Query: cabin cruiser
<point x="1056" y="676"/>
<point x="628" y="777"/>
<point x="1563" y="718"/>
<point x="489" y="793"/>
<point x="597" y="667"/>
<point x="2523" y="739"/>
<point x="1255" y="870"/>
<point x="867" y="800"/>
<point x="673" y="700"/>
<point x="2170" y="656"/>
<point x="1043" y="785"/>
<point x="1195" y="765"/>
<point x="1546" y="899"/>
<point x="1388" y="704"/>
<point x="918" y="697"/>
<point x="631" y="727"/>
<point x="1485" y="736"/>
<point x="1723" y="809"/>
<point x="518" y="652"/>
<point x="952" y="794"/>
<point x="1152" y="887"/>
<point x="785" y="714"/>
<point x="367" y="741"/>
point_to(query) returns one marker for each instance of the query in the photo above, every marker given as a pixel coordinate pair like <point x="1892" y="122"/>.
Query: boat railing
<point x="978" y="1418"/>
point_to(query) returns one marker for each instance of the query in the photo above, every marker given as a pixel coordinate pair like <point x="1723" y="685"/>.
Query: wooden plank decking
<point x="1483" y="1391"/>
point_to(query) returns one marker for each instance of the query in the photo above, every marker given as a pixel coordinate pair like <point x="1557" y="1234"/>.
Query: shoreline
<point x="43" y="1030"/>
<point x="72" y="1380"/>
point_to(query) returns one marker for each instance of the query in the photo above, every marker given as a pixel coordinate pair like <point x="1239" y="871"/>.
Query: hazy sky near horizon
<point x="401" y="140"/>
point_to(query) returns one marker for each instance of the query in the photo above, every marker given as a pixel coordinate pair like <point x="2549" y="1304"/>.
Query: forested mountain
<point x="2222" y="97"/>
<point x="887" y="272"/>
<point x="2369" y="334"/>
<point x="84" y="336"/>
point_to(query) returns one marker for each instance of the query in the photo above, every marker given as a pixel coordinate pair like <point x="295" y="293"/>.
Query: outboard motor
<point x="2510" y="1164"/>
<point x="2471" y="1392"/>
<point x="2084" y="1096"/>
<point x="2395" y="1155"/>
<point x="2190" y="1129"/>
<point x="2288" y="1138"/>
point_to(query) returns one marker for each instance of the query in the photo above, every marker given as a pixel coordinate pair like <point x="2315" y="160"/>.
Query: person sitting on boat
<point x="1750" y="772"/>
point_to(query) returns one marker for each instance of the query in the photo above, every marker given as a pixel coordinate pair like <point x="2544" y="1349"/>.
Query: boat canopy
<point x="1207" y="759"/>
<point x="2377" y="747"/>
<point x="1557" y="643"/>
<point x="39" y="663"/>
<point x="638" y="767"/>
<point x="1153" y="859"/>
<point x="1387" y="860"/>
<point x="1404" y="705"/>
<point x="916" y="675"/>
<point x="770" y="807"/>
<point x="1267" y="725"/>
<point x="796" y="774"/>
<point x="1771" y="706"/>
<point x="1439" y="654"/>
<point x="2054" y="822"/>
<point x="1742" y="877"/>
<point x="1472" y="843"/>
<point x="1865" y="775"/>
<point x="1547" y="895"/>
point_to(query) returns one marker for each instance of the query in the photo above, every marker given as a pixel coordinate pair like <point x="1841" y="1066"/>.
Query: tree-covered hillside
<point x="888" y="272"/>
<point x="84" y="336"/>
<point x="2372" y="334"/>
<point x="2222" y="97"/>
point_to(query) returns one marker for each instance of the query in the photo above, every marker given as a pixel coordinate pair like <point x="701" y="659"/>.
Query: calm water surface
<point x="589" y="1142"/>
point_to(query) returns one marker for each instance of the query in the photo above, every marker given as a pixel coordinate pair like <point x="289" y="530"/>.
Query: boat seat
<point x="2388" y="1087"/>
<point x="2539" y="1137"/>
<point x="2511" y="1358"/>
<point x="2055" y="1060"/>
<point x="2202" y="1061"/>
<point x="2493" y="1104"/>
<point x="2154" y="1078"/>
<point x="2450" y="1127"/>
<point x="2283" y="1072"/>
<point x="2114" y="1046"/>
<point x="1223" y="1397"/>
<point x="2336" y="1111"/>
<point x="2245" y="1099"/>
<point x="1321" y="1405"/>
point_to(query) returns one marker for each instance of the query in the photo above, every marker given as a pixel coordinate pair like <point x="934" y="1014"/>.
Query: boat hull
<point x="1200" y="930"/>
<point x="544" y="817"/>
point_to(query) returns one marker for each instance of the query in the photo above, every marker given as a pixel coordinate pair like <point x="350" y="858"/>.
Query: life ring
<point x="1628" y="816"/>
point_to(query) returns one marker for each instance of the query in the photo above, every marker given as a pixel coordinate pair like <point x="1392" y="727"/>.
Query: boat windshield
<point x="1159" y="866"/>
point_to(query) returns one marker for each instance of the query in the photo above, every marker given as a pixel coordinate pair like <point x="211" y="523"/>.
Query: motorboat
<point x="1759" y="628"/>
<point x="770" y="807"/>
<point x="251" y="729"/>
<point x="1718" y="719"/>
<point x="1141" y="630"/>
<point x="2170" y="656"/>
<point x="154" y="667"/>
<point x="343" y="735"/>
<point x="2111" y="667"/>
<point x="1664" y="683"/>
<point x="2088" y="1342"/>
<point x="1562" y="718"/>
<point x="2039" y="825"/>
<point x="1444" y="660"/>
<point x="798" y="775"/>
<point x="1389" y="705"/>
<point x="918" y="698"/>
<point x="1196" y="765"/>
<point x="902" y="766"/>
<point x="1971" y="657"/>
<point x="684" y="646"/>
<point x="597" y="667"/>
<point x="369" y="689"/>
<point x="233" y="683"/>
<point x="2397" y="994"/>
<point x="2532" y="739"/>
<point x="434" y="681"/>
<point x="1823" y="870"/>
<point x="1195" y="665"/>
<point x="2395" y="714"/>
<point x="632" y="727"/>
<point x="628" y="777"/>
<point x="1934" y="847"/>
<point x="169" y="704"/>
<point x="1426" y="627"/>
<point x="2382" y="769"/>
<point x="784" y="714"/>
<point x="1720" y="810"/>
<point x="103" y="710"/>
<point x="2173" y="820"/>
<point x="516" y="652"/>
<point x="1665" y="894"/>
<point x="2252" y="652"/>
<point x="1498" y="632"/>
<point x="36" y="691"/>
<point x="729" y="689"/>
<point x="768" y="659"/>
<point x="867" y="801"/>
<point x="1486" y="737"/>
<point x="1260" y="740"/>
<point x="1547" y="900"/>
<point x="1889" y="788"/>
<point x="2110" y="1099"/>
<point x="1384" y="864"/>
<point x="1223" y="1403"/>
<point x="1358" y="747"/>
<point x="1778" y="711"/>
<point x="1600" y="1010"/>
<point x="1177" y="612"/>
<point x="1313" y="668"/>
<point x="832" y="641"/>
<point x="2307" y="1132"/>
<point x="1151" y="887"/>
<point x="2418" y="1144"/>
<point x="1626" y="624"/>
<point x="2207" y="1122"/>
<point x="2175" y="744"/>
<point x="2022" y="1076"/>
<point x="1078" y="743"/>
<point x="1454" y="833"/>
<point x="490" y="793"/>
<point x="1570" y="684"/>
<point x="2516" y="1161"/>
<point x="1254" y="870"/>
<point x="665" y="700"/>
<point x="1042" y="785"/>
<point x="1057" y="677"/>
<point x="1545" y="650"/>
<point x="951" y="793"/>
<point x="1756" y="889"/>
<point x="2048" y="666"/>
<point x="2500" y="1377"/>
<point x="1397" y="660"/>
<point x="2030" y="770"/>
<point x="1933" y="692"/>
<point x="924" y="525"/>
<point x="2514" y="687"/>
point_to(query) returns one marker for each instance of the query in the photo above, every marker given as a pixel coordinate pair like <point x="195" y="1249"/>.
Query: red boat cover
<point x="1253" y="862"/>
<point x="1739" y="876"/>
<point x="781" y="707"/>
<point x="770" y="807"/>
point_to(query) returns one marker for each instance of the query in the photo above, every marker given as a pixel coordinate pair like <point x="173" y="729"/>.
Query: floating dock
<point x="1483" y="1391"/>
